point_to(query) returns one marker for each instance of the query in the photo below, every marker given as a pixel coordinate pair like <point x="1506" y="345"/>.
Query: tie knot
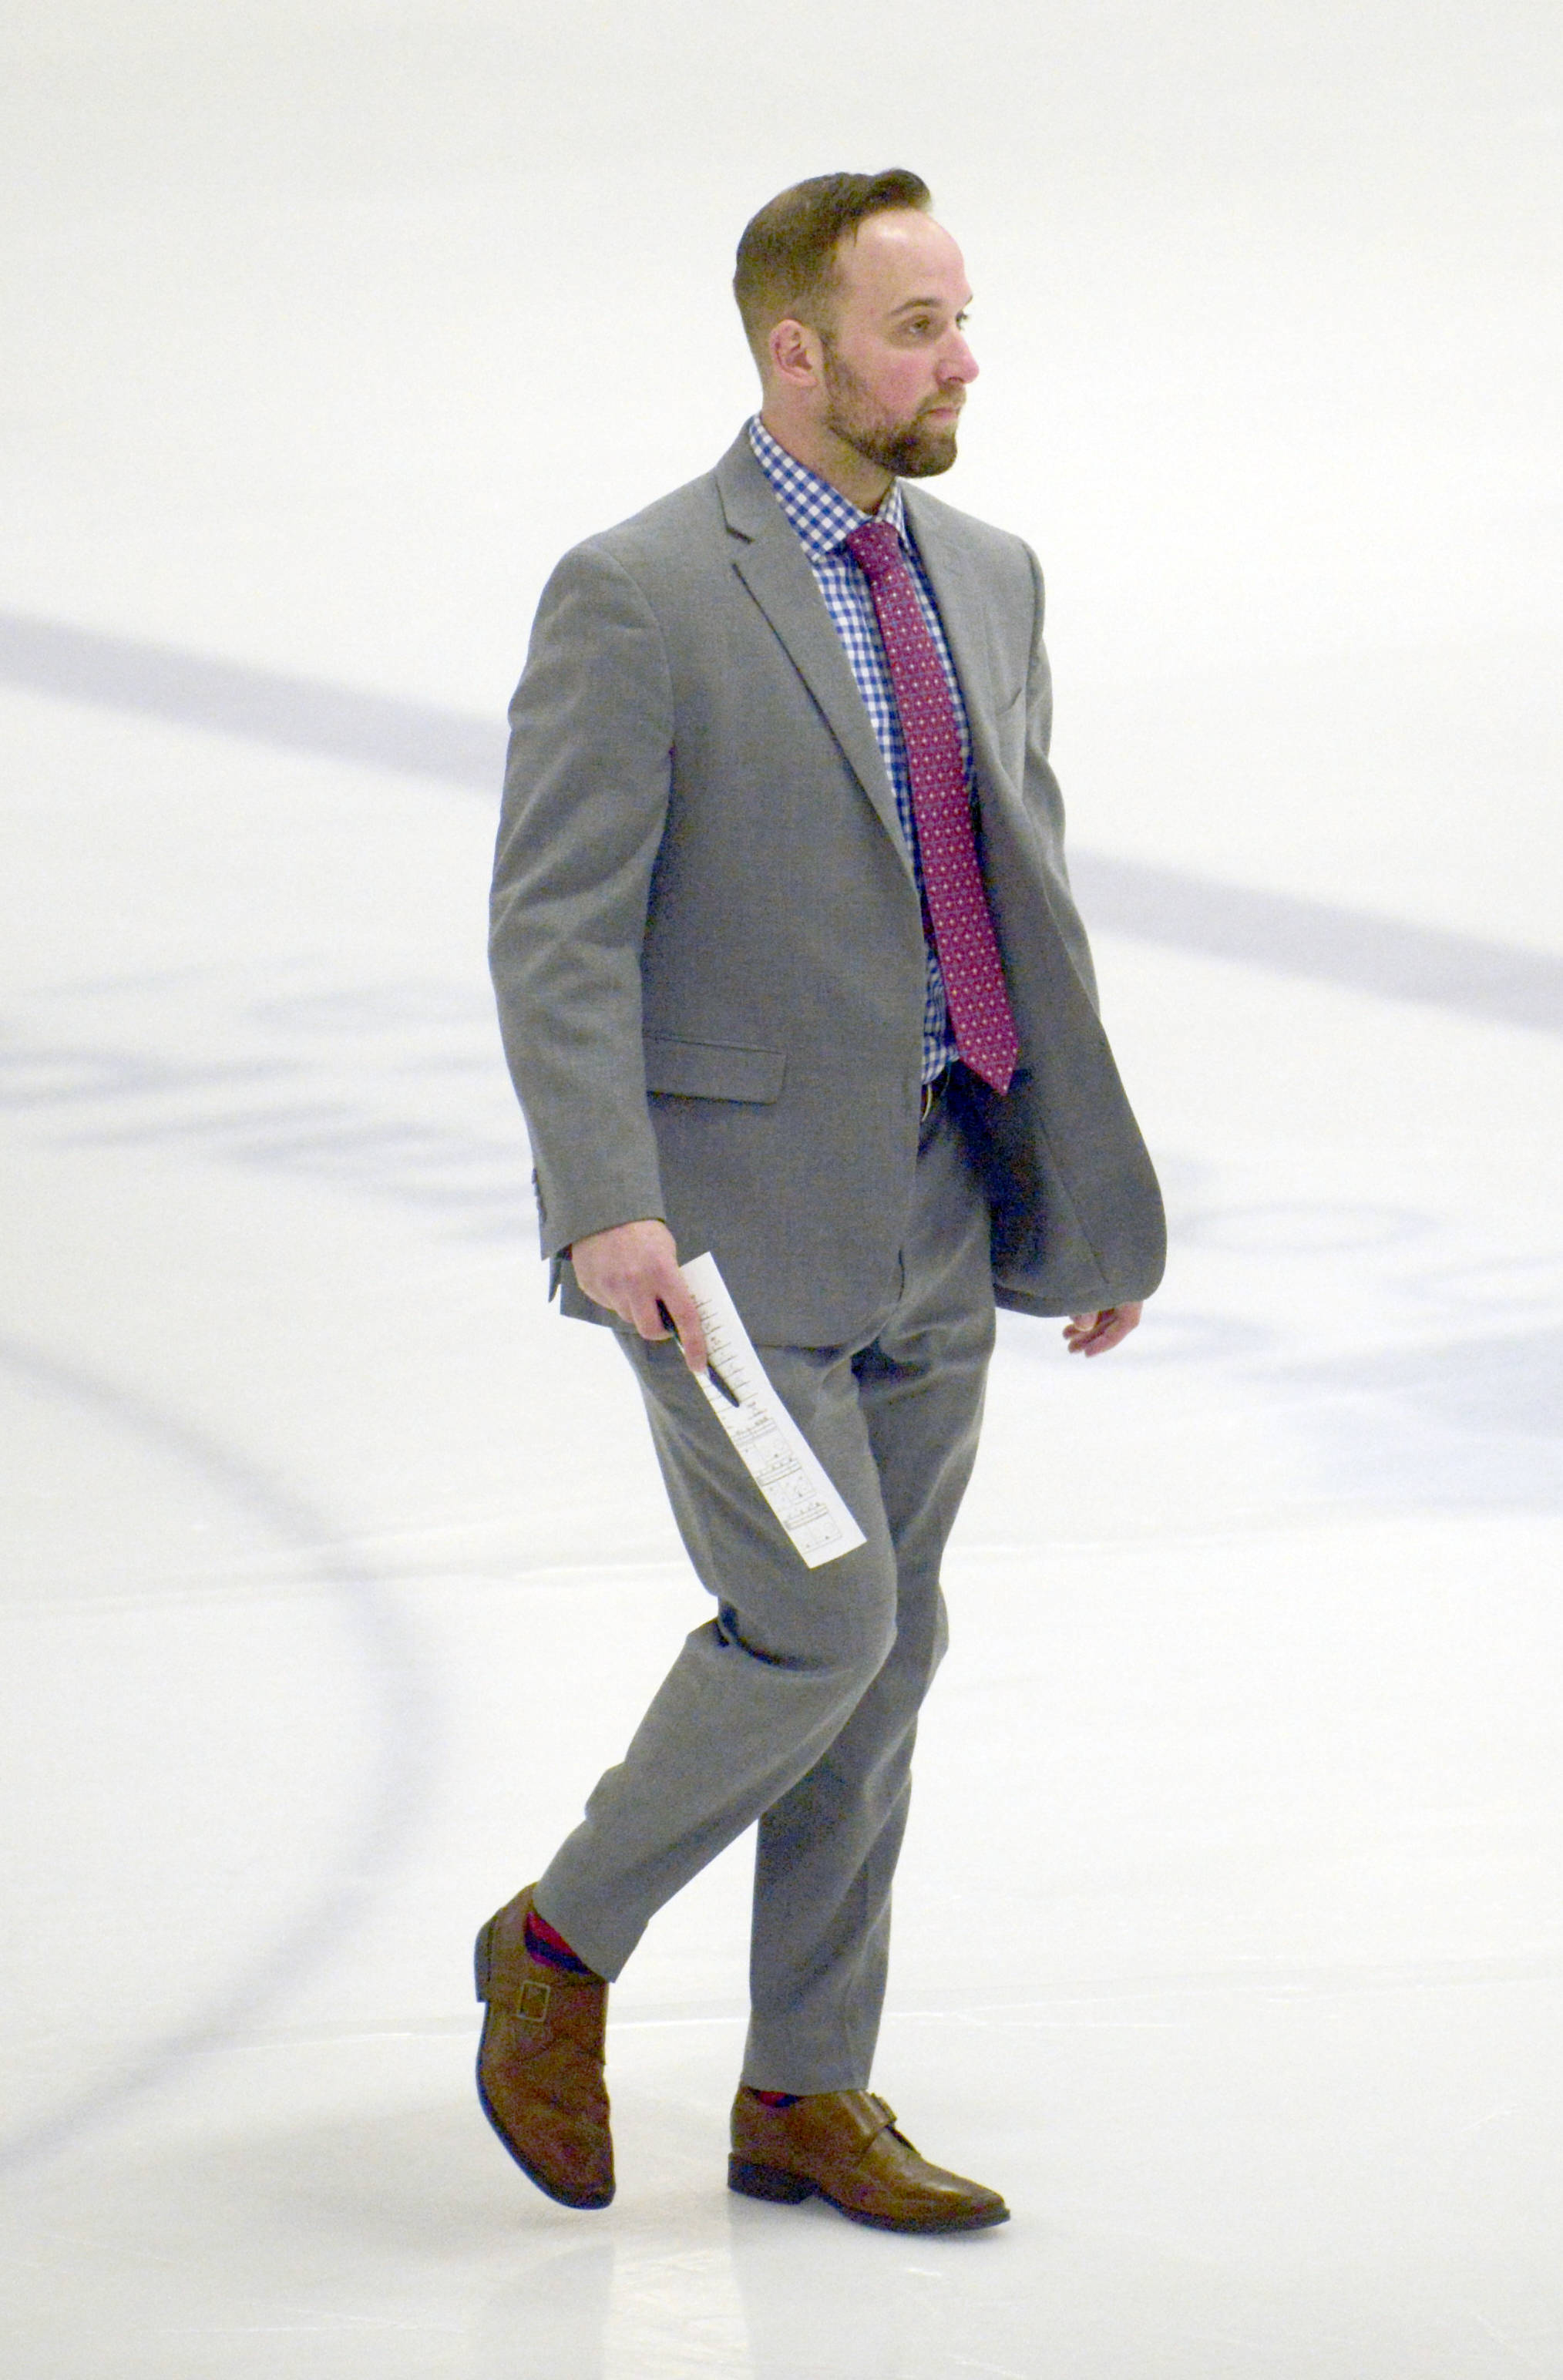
<point x="875" y="548"/>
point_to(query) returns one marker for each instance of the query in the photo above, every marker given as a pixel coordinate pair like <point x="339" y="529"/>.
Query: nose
<point x="959" y="363"/>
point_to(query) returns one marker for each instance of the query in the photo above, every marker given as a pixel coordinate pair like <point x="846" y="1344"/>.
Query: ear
<point x="795" y="353"/>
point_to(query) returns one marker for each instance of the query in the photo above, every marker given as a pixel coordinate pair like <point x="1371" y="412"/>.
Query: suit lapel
<point x="776" y="571"/>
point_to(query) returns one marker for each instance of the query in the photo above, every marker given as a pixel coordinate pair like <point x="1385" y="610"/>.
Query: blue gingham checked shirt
<point x="824" y="520"/>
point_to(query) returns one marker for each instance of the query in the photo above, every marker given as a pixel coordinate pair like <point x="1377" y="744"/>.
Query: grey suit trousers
<point x="796" y="1706"/>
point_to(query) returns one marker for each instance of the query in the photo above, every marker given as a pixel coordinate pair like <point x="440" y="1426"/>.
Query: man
<point x="788" y="969"/>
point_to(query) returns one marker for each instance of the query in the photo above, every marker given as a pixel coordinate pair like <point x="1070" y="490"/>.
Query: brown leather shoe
<point x="843" y="2145"/>
<point x="539" y="2063"/>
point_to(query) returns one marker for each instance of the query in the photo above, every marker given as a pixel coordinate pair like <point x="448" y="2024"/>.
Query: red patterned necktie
<point x="952" y="885"/>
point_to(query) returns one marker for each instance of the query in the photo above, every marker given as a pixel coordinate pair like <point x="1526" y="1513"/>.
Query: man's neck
<point x="863" y="484"/>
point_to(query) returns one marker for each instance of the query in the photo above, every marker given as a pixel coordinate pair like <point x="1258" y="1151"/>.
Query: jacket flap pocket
<point x="712" y="1070"/>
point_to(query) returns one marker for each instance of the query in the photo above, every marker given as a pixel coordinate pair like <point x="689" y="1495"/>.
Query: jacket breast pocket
<point x="713" y="1070"/>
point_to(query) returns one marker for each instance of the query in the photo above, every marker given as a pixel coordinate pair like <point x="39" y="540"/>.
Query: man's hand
<point x="1093" y="1334"/>
<point x="631" y="1267"/>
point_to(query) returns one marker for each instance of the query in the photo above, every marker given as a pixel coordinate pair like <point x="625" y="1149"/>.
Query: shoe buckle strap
<point x="887" y="2122"/>
<point x="531" y="2002"/>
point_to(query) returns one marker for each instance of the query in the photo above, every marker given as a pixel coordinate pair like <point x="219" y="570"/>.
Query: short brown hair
<point x="787" y="256"/>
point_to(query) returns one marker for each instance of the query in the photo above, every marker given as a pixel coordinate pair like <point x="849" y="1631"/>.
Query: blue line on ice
<point x="1283" y="933"/>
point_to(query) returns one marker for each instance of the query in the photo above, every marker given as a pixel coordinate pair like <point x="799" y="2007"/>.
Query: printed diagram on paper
<point x="772" y="1449"/>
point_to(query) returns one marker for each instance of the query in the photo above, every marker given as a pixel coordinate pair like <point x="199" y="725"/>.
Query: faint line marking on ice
<point x="1501" y="2338"/>
<point x="398" y="1791"/>
<point x="260" y="706"/>
<point x="1284" y="934"/>
<point x="88" y="1093"/>
<point x="1281" y="933"/>
<point x="1485" y="2124"/>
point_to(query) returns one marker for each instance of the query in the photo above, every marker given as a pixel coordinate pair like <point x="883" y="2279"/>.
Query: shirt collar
<point x="821" y="516"/>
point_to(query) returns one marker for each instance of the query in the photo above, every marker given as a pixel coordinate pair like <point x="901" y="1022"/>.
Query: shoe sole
<point x="482" y="1961"/>
<point x="779" y="2187"/>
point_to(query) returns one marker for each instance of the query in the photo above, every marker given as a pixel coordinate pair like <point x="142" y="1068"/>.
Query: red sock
<point x="548" y="1945"/>
<point x="774" y="2098"/>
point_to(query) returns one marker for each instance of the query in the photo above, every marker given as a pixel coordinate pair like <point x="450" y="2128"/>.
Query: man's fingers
<point x="675" y="1295"/>
<point x="1093" y="1334"/>
<point x="655" y="1298"/>
<point x="632" y="1269"/>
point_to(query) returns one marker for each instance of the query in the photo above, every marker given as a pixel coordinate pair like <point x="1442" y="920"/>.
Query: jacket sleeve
<point x="585" y="803"/>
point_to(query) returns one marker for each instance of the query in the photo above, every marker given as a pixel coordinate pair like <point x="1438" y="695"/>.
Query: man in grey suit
<point x="788" y="969"/>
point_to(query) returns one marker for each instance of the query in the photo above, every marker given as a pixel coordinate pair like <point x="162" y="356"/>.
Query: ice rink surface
<point x="1231" y="1925"/>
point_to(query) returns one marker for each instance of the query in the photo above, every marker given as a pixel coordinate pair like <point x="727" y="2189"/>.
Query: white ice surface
<point x="1231" y="1925"/>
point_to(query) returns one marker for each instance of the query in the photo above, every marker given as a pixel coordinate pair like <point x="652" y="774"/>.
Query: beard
<point x="911" y="450"/>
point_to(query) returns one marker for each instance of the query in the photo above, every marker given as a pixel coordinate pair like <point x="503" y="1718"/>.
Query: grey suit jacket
<point x="706" y="940"/>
